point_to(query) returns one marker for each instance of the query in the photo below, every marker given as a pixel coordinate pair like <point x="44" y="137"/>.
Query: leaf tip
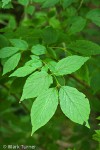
<point x="87" y="125"/>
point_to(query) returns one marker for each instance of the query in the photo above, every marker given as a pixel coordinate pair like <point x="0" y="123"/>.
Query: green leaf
<point x="95" y="81"/>
<point x="96" y="136"/>
<point x="36" y="84"/>
<point x="74" y="105"/>
<point x="51" y="64"/>
<point x="83" y="74"/>
<point x="49" y="3"/>
<point x="30" y="10"/>
<point x="21" y="44"/>
<point x="77" y="24"/>
<point x="38" y="49"/>
<point x="67" y="3"/>
<point x="69" y="65"/>
<point x="3" y="41"/>
<point x="5" y="2"/>
<point x="38" y="1"/>
<point x="11" y="63"/>
<point x="34" y="57"/>
<point x="50" y="35"/>
<point x="85" y="47"/>
<point x="52" y="53"/>
<point x="23" y="2"/>
<point x="8" y="51"/>
<point x="22" y="71"/>
<point x="29" y="67"/>
<point x="43" y="108"/>
<point x="94" y="16"/>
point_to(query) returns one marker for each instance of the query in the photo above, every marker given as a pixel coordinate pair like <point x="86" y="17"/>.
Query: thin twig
<point x="80" y="5"/>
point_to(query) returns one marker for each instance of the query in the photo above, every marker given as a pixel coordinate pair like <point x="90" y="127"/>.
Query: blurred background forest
<point x="26" y="20"/>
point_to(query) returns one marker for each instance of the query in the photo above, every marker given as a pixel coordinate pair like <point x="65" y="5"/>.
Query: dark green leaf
<point x="85" y="47"/>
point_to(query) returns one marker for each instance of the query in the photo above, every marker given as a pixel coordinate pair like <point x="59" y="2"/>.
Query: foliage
<point x="50" y="62"/>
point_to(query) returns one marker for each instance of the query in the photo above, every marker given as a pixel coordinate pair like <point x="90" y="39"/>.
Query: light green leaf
<point x="11" y="63"/>
<point x="43" y="108"/>
<point x="34" y="57"/>
<point x="45" y="68"/>
<point x="34" y="63"/>
<point x="30" y="9"/>
<point x="74" y="105"/>
<point x="21" y="44"/>
<point x="51" y="64"/>
<point x="36" y="84"/>
<point x="38" y="49"/>
<point x="8" y="51"/>
<point x="29" y="67"/>
<point x="22" y="71"/>
<point x="85" y="47"/>
<point x="94" y="16"/>
<point x="5" y="2"/>
<point x="69" y="65"/>
<point x="77" y="24"/>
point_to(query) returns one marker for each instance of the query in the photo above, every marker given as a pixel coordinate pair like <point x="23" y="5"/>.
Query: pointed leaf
<point x="29" y="67"/>
<point x="74" y="104"/>
<point x="11" y="63"/>
<point x="50" y="3"/>
<point x="87" y="48"/>
<point x="8" y="51"/>
<point x="77" y="24"/>
<point x="69" y="65"/>
<point x="94" y="16"/>
<point x="21" y="44"/>
<point x="67" y="3"/>
<point x="51" y="64"/>
<point x="38" y="49"/>
<point x="36" y="84"/>
<point x="22" y="71"/>
<point x="44" y="108"/>
<point x="5" y="2"/>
